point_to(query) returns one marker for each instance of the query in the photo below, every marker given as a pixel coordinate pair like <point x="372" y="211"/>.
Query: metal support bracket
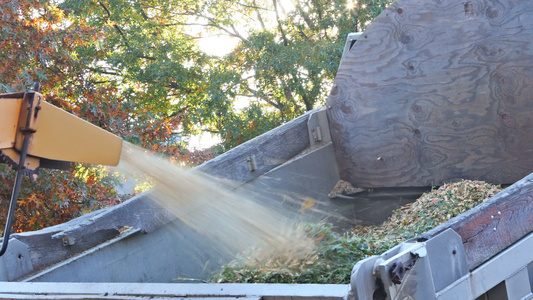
<point x="318" y="127"/>
<point x="16" y="262"/>
<point x="27" y="126"/>
<point x="411" y="270"/>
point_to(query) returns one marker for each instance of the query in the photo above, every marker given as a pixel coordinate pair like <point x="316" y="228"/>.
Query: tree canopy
<point x="137" y="69"/>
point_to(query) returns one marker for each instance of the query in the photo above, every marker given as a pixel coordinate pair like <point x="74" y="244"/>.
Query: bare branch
<point x="100" y="71"/>
<point x="146" y="57"/>
<point x="211" y="131"/>
<point x="143" y="14"/>
<point x="305" y="16"/>
<point x="255" y="94"/>
<point x="255" y="6"/>
<point x="259" y="16"/>
<point x="115" y="25"/>
<point x="280" y="27"/>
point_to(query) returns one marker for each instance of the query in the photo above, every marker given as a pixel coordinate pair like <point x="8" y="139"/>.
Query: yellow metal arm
<point x="56" y="136"/>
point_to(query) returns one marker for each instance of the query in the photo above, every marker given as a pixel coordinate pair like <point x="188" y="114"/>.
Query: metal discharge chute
<point x="34" y="134"/>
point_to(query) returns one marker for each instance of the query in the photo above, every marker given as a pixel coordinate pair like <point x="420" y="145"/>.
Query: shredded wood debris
<point x="431" y="209"/>
<point x="334" y="255"/>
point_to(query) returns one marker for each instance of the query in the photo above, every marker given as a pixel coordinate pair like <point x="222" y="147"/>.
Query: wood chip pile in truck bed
<point x="333" y="256"/>
<point x="431" y="209"/>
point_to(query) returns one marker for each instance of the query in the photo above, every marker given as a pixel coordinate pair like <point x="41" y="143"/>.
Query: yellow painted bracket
<point x="56" y="135"/>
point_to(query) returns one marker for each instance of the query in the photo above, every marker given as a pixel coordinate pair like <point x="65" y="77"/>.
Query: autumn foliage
<point x="41" y="42"/>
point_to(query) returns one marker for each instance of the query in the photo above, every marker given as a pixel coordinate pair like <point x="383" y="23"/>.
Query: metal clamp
<point x="411" y="270"/>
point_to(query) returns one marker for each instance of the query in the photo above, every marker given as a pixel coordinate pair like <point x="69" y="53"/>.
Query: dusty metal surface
<point x="58" y="290"/>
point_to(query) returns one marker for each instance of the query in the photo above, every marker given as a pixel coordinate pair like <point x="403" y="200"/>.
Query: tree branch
<point x="141" y="11"/>
<point x="146" y="57"/>
<point x="255" y="94"/>
<point x="211" y="131"/>
<point x="280" y="27"/>
<point x="175" y="85"/>
<point x="305" y="16"/>
<point x="259" y="16"/>
<point x="99" y="82"/>
<point x="254" y="6"/>
<point x="100" y="71"/>
<point x="115" y="25"/>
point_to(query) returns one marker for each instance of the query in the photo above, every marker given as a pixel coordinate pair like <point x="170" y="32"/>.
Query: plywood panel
<point x="434" y="91"/>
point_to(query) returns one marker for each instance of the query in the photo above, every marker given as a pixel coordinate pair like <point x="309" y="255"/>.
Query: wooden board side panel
<point x="435" y="91"/>
<point x="46" y="245"/>
<point x="269" y="150"/>
<point x="495" y="224"/>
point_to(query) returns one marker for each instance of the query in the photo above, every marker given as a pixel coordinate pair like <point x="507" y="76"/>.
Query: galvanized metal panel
<point x="61" y="290"/>
<point x="318" y="127"/>
<point x="518" y="285"/>
<point x="362" y="281"/>
<point x="172" y="253"/>
<point x="16" y="262"/>
<point x="447" y="259"/>
<point x="492" y="275"/>
<point x="307" y="178"/>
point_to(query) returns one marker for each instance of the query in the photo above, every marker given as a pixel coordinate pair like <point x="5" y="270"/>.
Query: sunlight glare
<point x="218" y="45"/>
<point x="350" y="4"/>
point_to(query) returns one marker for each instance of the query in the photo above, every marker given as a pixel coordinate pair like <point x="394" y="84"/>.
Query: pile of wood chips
<point x="334" y="255"/>
<point x="430" y="210"/>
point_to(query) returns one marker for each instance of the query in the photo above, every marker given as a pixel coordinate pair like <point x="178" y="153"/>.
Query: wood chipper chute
<point x="34" y="133"/>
